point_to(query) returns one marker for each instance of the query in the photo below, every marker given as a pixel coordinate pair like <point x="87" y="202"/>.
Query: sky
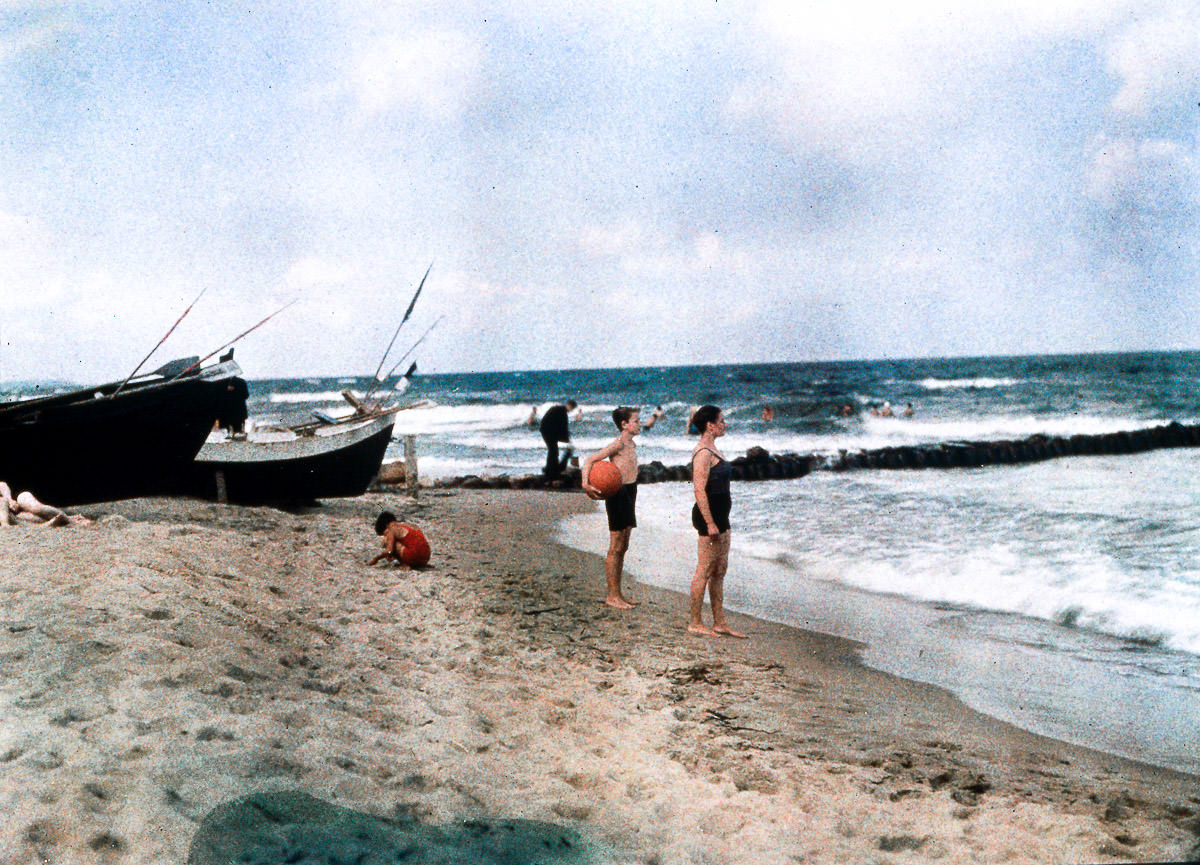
<point x="596" y="184"/>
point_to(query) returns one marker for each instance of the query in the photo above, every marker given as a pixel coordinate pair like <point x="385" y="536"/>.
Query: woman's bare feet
<point x="701" y="631"/>
<point x="726" y="631"/>
<point x="619" y="603"/>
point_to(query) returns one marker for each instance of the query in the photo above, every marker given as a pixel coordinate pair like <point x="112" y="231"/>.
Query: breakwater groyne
<point x="1035" y="448"/>
<point x="758" y="464"/>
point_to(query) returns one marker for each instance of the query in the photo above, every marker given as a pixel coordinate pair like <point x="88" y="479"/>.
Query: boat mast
<point x="376" y="380"/>
<point x="412" y="348"/>
<point x="170" y="330"/>
<point x="236" y="338"/>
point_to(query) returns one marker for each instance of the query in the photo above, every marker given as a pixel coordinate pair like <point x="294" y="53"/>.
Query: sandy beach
<point x="186" y="682"/>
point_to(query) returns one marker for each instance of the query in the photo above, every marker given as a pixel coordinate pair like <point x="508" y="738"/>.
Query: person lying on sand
<point x="402" y="543"/>
<point x="26" y="508"/>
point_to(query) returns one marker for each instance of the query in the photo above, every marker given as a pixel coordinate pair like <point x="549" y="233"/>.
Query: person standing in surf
<point x="554" y="428"/>
<point x="711" y="473"/>
<point x="622" y="519"/>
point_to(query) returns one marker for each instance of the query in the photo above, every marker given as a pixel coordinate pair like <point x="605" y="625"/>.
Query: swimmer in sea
<point x="655" y="417"/>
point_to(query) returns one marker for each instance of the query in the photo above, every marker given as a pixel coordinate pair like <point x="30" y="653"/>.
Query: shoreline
<point x="1024" y="671"/>
<point x="782" y="640"/>
<point x="180" y="655"/>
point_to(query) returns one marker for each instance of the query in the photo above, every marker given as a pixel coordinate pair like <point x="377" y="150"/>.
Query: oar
<point x="236" y="338"/>
<point x="156" y="347"/>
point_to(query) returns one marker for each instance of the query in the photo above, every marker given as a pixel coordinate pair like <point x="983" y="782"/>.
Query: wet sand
<point x="1069" y="684"/>
<point x="180" y="656"/>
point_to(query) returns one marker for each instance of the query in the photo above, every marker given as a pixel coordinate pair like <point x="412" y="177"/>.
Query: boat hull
<point x="340" y="463"/>
<point x="82" y="448"/>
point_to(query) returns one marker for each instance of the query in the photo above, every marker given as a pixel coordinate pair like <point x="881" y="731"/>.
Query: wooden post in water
<point x="222" y="493"/>
<point x="410" y="464"/>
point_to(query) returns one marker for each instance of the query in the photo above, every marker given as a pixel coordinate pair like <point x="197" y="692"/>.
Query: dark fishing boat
<point x="327" y="458"/>
<point x="112" y="441"/>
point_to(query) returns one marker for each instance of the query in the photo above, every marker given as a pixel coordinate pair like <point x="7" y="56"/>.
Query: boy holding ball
<point x="622" y="452"/>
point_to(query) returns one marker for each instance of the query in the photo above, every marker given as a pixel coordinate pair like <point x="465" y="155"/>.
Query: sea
<point x="1061" y="596"/>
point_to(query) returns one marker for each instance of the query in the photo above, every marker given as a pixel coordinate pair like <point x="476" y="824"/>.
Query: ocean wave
<point x="306" y="396"/>
<point x="968" y="383"/>
<point x="449" y="419"/>
<point x="454" y="420"/>
<point x="1063" y="572"/>
<point x="896" y="432"/>
<point x="1090" y="594"/>
<point x="504" y="428"/>
<point x="441" y="467"/>
<point x="919" y="430"/>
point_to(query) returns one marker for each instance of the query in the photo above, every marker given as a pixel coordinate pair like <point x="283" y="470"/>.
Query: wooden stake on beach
<point x="410" y="464"/>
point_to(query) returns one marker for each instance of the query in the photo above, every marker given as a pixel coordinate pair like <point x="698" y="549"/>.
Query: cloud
<point x="1153" y="176"/>
<point x="314" y="271"/>
<point x="31" y="280"/>
<point x="865" y="80"/>
<point x="1147" y="195"/>
<point x="837" y="178"/>
<point x="1157" y="60"/>
<point x="619" y="238"/>
<point x="434" y="72"/>
<point x="28" y="27"/>
<point x="638" y="249"/>
<point x="821" y="89"/>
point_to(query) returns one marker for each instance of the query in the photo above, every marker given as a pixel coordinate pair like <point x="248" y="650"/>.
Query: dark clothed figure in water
<point x="554" y="428"/>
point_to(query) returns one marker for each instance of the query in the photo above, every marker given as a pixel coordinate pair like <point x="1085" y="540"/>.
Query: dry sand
<point x="177" y="657"/>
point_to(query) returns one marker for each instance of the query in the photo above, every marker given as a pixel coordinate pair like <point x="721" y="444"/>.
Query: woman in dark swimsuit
<point x="710" y="516"/>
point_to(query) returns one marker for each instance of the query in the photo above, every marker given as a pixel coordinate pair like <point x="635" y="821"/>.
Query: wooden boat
<point x="112" y="441"/>
<point x="327" y="458"/>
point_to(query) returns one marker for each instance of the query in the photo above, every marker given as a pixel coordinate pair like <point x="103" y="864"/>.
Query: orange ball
<point x="605" y="477"/>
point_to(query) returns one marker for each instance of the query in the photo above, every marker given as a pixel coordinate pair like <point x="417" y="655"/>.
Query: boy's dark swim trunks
<point x="621" y="509"/>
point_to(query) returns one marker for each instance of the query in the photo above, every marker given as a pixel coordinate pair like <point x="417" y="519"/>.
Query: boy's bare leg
<point x="614" y="565"/>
